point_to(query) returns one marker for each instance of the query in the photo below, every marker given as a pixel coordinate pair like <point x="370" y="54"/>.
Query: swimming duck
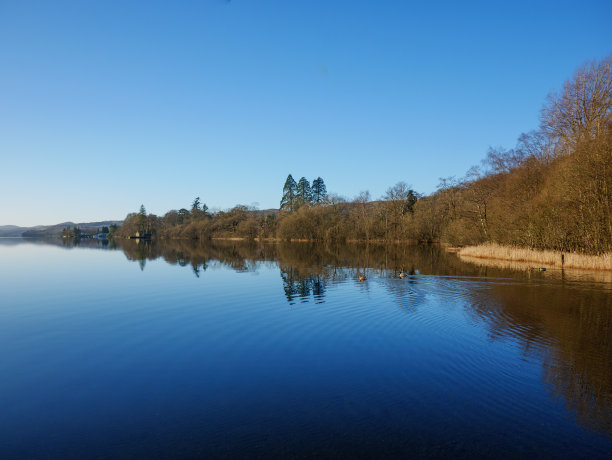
<point x="362" y="278"/>
<point x="402" y="275"/>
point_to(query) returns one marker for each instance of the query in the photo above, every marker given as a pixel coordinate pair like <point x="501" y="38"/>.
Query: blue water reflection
<point x="231" y="349"/>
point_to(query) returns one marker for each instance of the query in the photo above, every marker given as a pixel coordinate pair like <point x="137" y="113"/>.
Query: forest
<point x="553" y="190"/>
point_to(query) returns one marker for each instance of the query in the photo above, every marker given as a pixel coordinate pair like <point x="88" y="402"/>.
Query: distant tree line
<point x="77" y="232"/>
<point x="73" y="232"/>
<point x="553" y="190"/>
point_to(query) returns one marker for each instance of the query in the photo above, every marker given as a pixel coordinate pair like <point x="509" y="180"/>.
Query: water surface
<point x="232" y="349"/>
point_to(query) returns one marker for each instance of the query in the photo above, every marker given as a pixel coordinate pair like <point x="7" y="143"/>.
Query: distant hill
<point x="14" y="230"/>
<point x="46" y="231"/>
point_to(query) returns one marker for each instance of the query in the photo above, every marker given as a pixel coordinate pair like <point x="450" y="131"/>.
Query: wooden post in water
<point x="562" y="260"/>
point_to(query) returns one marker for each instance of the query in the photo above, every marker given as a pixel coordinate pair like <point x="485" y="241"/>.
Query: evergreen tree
<point x="198" y="209"/>
<point x="319" y="191"/>
<point x="304" y="192"/>
<point x="289" y="194"/>
<point x="142" y="218"/>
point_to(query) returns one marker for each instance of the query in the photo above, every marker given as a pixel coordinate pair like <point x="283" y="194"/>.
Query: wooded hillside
<point x="553" y="190"/>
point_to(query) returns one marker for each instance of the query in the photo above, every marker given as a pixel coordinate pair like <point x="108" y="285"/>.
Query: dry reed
<point x="539" y="258"/>
<point x="573" y="274"/>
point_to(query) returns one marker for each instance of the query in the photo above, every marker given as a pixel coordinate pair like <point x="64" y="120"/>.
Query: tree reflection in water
<point x="565" y="324"/>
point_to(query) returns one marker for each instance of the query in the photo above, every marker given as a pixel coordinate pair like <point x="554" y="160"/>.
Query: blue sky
<point x="107" y="105"/>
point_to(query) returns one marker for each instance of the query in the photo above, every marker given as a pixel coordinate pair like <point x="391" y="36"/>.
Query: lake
<point x="236" y="349"/>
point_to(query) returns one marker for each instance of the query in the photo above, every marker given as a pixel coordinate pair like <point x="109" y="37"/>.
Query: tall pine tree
<point x="304" y="193"/>
<point x="319" y="191"/>
<point x="288" y="201"/>
<point x="142" y="218"/>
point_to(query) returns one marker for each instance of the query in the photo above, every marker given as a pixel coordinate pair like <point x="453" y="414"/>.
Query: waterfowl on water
<point x="402" y="275"/>
<point x="537" y="269"/>
<point x="362" y="278"/>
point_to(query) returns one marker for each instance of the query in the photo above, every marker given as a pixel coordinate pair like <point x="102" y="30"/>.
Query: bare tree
<point x="362" y="215"/>
<point x="500" y="160"/>
<point x="583" y="109"/>
<point x="479" y="192"/>
<point x="399" y="201"/>
<point x="536" y="144"/>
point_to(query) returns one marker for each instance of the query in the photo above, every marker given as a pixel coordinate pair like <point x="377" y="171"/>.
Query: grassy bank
<point x="539" y="258"/>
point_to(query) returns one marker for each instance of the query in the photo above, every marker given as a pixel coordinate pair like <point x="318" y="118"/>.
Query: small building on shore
<point x="141" y="236"/>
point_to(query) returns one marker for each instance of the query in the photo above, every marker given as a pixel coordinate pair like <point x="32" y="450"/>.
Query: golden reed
<point x="539" y="258"/>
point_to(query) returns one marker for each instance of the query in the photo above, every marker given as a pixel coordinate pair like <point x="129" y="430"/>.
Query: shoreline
<point x="291" y="240"/>
<point x="530" y="259"/>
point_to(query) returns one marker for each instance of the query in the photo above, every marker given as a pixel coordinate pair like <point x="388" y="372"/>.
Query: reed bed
<point x="570" y="274"/>
<point x="539" y="258"/>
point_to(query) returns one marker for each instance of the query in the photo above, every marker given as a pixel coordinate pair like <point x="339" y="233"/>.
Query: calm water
<point x="244" y="350"/>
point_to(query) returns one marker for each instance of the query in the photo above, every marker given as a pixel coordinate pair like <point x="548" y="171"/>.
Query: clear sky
<point x="109" y="104"/>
